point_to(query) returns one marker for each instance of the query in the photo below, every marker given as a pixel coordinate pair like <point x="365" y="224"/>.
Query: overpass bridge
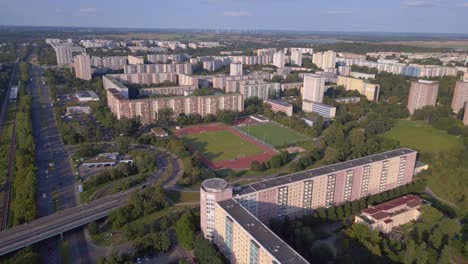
<point x="55" y="224"/>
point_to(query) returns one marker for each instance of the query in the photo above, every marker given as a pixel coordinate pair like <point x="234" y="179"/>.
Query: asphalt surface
<point x="59" y="179"/>
<point x="74" y="217"/>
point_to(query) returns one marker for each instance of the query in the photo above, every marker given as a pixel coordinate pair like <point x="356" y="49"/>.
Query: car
<point x="44" y="195"/>
<point x="46" y="172"/>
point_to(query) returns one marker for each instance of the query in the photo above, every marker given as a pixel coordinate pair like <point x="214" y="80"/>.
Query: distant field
<point x="423" y="137"/>
<point x="273" y="134"/>
<point x="221" y="145"/>
<point x="453" y="44"/>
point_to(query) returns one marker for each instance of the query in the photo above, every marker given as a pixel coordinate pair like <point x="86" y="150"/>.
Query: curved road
<point x="55" y="224"/>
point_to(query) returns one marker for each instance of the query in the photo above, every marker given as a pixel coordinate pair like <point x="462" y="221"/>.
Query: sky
<point x="425" y="16"/>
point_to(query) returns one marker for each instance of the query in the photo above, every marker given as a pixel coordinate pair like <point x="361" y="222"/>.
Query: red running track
<point x="235" y="164"/>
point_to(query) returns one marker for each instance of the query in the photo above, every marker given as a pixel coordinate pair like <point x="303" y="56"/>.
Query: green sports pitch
<point x="221" y="145"/>
<point x="274" y="134"/>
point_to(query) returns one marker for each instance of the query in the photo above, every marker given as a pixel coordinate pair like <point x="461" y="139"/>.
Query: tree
<point x="206" y="253"/>
<point x="185" y="230"/>
<point x="122" y="143"/>
<point x="93" y="228"/>
<point x="410" y="253"/>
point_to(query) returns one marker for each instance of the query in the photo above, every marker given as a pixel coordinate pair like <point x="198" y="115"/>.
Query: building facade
<point x="235" y="69"/>
<point x="370" y="90"/>
<point x="182" y="68"/>
<point x="278" y="59"/>
<point x="313" y="88"/>
<point x="146" y="109"/>
<point x="82" y="66"/>
<point x="460" y="95"/>
<point x="63" y="54"/>
<point x="280" y="106"/>
<point x="324" y="110"/>
<point x="234" y="218"/>
<point x="422" y="93"/>
<point x="135" y="59"/>
<point x="296" y="57"/>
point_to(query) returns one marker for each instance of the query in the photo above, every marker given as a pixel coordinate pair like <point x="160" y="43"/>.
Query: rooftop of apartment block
<point x="279" y="249"/>
<point x="325" y="170"/>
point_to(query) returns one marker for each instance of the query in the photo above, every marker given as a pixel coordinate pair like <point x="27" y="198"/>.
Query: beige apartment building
<point x="422" y="93"/>
<point x="369" y="90"/>
<point x="460" y="95"/>
<point x="313" y="88"/>
<point x="135" y="59"/>
<point x="82" y="65"/>
<point x="147" y="109"/>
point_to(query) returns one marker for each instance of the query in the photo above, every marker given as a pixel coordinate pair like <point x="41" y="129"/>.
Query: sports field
<point x="273" y="134"/>
<point x="423" y="137"/>
<point x="221" y="145"/>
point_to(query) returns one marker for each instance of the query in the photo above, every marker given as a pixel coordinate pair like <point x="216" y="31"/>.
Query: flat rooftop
<point x="329" y="169"/>
<point x="262" y="234"/>
<point x="280" y="102"/>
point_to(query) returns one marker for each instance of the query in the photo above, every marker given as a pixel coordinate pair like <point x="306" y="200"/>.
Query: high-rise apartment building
<point x="422" y="93"/>
<point x="460" y="95"/>
<point x="278" y="59"/>
<point x="314" y="88"/>
<point x="325" y="60"/>
<point x="82" y="65"/>
<point x="235" y="69"/>
<point x="296" y="57"/>
<point x="63" y="54"/>
<point x="234" y="218"/>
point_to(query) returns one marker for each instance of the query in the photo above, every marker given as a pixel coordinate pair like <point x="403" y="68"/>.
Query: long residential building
<point x="165" y="58"/>
<point x="171" y="90"/>
<point x="183" y="68"/>
<point x="253" y="88"/>
<point x="370" y="90"/>
<point x="422" y="93"/>
<point x="411" y="70"/>
<point x="146" y="109"/>
<point x="111" y="62"/>
<point x="280" y="106"/>
<point x="328" y="111"/>
<point x="234" y="218"/>
<point x="460" y="95"/>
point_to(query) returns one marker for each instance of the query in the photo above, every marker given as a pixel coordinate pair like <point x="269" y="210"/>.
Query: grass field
<point x="273" y="134"/>
<point x="423" y="137"/>
<point x="221" y="145"/>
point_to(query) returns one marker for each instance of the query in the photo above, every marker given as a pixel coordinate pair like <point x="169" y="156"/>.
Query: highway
<point x="59" y="179"/>
<point x="68" y="219"/>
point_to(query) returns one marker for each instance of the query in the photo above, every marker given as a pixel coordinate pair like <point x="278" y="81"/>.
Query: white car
<point x="44" y="195"/>
<point x="46" y="172"/>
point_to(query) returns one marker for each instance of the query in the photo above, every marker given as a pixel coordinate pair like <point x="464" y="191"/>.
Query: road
<point x="68" y="219"/>
<point x="60" y="179"/>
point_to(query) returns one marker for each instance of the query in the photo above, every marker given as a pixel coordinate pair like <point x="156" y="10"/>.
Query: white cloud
<point x="237" y="14"/>
<point x="58" y="10"/>
<point x="465" y="5"/>
<point x="338" y="12"/>
<point x="87" y="11"/>
<point x="417" y="3"/>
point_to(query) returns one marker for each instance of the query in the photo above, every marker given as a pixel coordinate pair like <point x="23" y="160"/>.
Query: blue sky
<point x="446" y="16"/>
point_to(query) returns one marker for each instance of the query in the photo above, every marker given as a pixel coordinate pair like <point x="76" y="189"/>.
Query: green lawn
<point x="423" y="137"/>
<point x="273" y="134"/>
<point x="221" y="145"/>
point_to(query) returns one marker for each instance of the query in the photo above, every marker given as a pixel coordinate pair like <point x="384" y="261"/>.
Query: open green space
<point x="274" y="135"/>
<point x="221" y="145"/>
<point x="183" y="197"/>
<point x="423" y="137"/>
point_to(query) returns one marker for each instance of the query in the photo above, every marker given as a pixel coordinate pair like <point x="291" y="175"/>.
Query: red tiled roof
<point x="380" y="215"/>
<point x="388" y="221"/>
<point x="410" y="200"/>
